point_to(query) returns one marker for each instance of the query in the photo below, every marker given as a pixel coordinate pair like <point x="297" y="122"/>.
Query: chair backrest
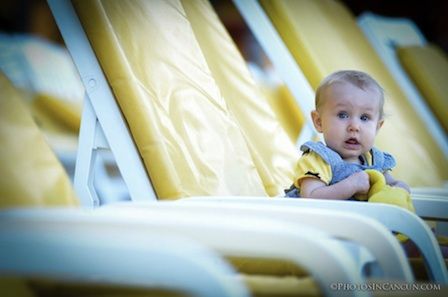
<point x="196" y="134"/>
<point x="30" y="173"/>
<point x="427" y="66"/>
<point x="273" y="153"/>
<point x="387" y="35"/>
<point x="31" y="176"/>
<point x="29" y="62"/>
<point x="285" y="107"/>
<point x="323" y="37"/>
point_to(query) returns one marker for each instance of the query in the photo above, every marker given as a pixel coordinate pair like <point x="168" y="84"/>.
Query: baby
<point x="349" y="113"/>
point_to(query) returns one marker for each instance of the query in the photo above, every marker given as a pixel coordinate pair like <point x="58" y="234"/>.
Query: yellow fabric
<point x="14" y="287"/>
<point x="30" y="173"/>
<point x="45" y="121"/>
<point x="56" y="112"/>
<point x="185" y="133"/>
<point x="259" y="285"/>
<point x="311" y="164"/>
<point x="427" y="66"/>
<point x="262" y="266"/>
<point x="51" y="288"/>
<point x="286" y="110"/>
<point x="268" y="286"/>
<point x="274" y="159"/>
<point x="380" y="192"/>
<point x="443" y="240"/>
<point x="59" y="121"/>
<point x="323" y="37"/>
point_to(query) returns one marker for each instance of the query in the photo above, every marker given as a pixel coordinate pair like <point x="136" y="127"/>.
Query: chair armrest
<point x="81" y="252"/>
<point x="342" y="225"/>
<point x="431" y="207"/>
<point x="430" y="191"/>
<point x="231" y="235"/>
<point x="402" y="221"/>
<point x="394" y="218"/>
<point x="249" y="235"/>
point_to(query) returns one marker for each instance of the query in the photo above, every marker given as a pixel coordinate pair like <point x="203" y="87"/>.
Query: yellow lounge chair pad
<point x="23" y="287"/>
<point x="427" y="66"/>
<point x="30" y="173"/>
<point x="10" y="286"/>
<point x="285" y="107"/>
<point x="271" y="267"/>
<point x="57" y="114"/>
<point x="323" y="37"/>
<point x="274" y="158"/>
<point x="259" y="285"/>
<point x="276" y="286"/>
<point x="185" y="133"/>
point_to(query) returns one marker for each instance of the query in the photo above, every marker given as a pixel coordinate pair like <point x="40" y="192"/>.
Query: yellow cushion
<point x="262" y="266"/>
<point x="272" y="151"/>
<point x="323" y="37"/>
<point x="274" y="286"/>
<point x="286" y="110"/>
<point x="187" y="137"/>
<point x="30" y="173"/>
<point x="15" y="287"/>
<point x="427" y="66"/>
<point x="47" y="287"/>
<point x="56" y="114"/>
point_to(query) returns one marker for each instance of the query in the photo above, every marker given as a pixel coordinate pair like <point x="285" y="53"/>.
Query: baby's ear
<point x="317" y="121"/>
<point x="380" y="124"/>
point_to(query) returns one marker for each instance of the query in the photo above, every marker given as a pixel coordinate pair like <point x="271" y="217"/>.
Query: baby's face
<point x="349" y="119"/>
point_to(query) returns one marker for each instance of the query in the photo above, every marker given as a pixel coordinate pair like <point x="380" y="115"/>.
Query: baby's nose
<point x="353" y="125"/>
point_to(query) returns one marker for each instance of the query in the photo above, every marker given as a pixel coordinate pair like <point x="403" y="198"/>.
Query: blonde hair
<point x="357" y="78"/>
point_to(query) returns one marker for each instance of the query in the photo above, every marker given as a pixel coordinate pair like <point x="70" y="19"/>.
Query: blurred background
<point x="31" y="46"/>
<point x="34" y="17"/>
<point x="430" y="16"/>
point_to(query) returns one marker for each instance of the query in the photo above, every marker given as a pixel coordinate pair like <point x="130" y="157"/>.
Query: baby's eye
<point x="365" y="117"/>
<point x="342" y="115"/>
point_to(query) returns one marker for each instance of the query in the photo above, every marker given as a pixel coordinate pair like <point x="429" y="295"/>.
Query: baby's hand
<point x="360" y="182"/>
<point x="402" y="185"/>
<point x="396" y="183"/>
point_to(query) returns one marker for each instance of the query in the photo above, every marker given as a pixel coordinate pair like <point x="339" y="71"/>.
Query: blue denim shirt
<point x="340" y="169"/>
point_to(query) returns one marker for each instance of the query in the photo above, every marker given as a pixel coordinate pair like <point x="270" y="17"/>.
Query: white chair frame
<point x="106" y="230"/>
<point x="385" y="35"/>
<point x="283" y="61"/>
<point x="104" y="114"/>
<point x="34" y="244"/>
<point x="380" y="243"/>
<point x="103" y="126"/>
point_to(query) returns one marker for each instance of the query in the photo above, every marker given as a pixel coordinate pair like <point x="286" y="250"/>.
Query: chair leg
<point x="84" y="171"/>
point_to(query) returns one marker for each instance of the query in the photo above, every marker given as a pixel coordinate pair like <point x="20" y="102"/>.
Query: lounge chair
<point x="166" y="182"/>
<point x="34" y="180"/>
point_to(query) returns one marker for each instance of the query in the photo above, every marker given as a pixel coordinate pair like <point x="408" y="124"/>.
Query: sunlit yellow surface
<point x="323" y="37"/>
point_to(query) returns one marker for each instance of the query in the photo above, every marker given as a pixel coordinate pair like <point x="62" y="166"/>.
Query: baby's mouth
<point x="352" y="143"/>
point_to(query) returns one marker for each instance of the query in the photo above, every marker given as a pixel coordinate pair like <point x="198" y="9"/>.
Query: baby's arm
<point x="315" y="188"/>
<point x="391" y="181"/>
